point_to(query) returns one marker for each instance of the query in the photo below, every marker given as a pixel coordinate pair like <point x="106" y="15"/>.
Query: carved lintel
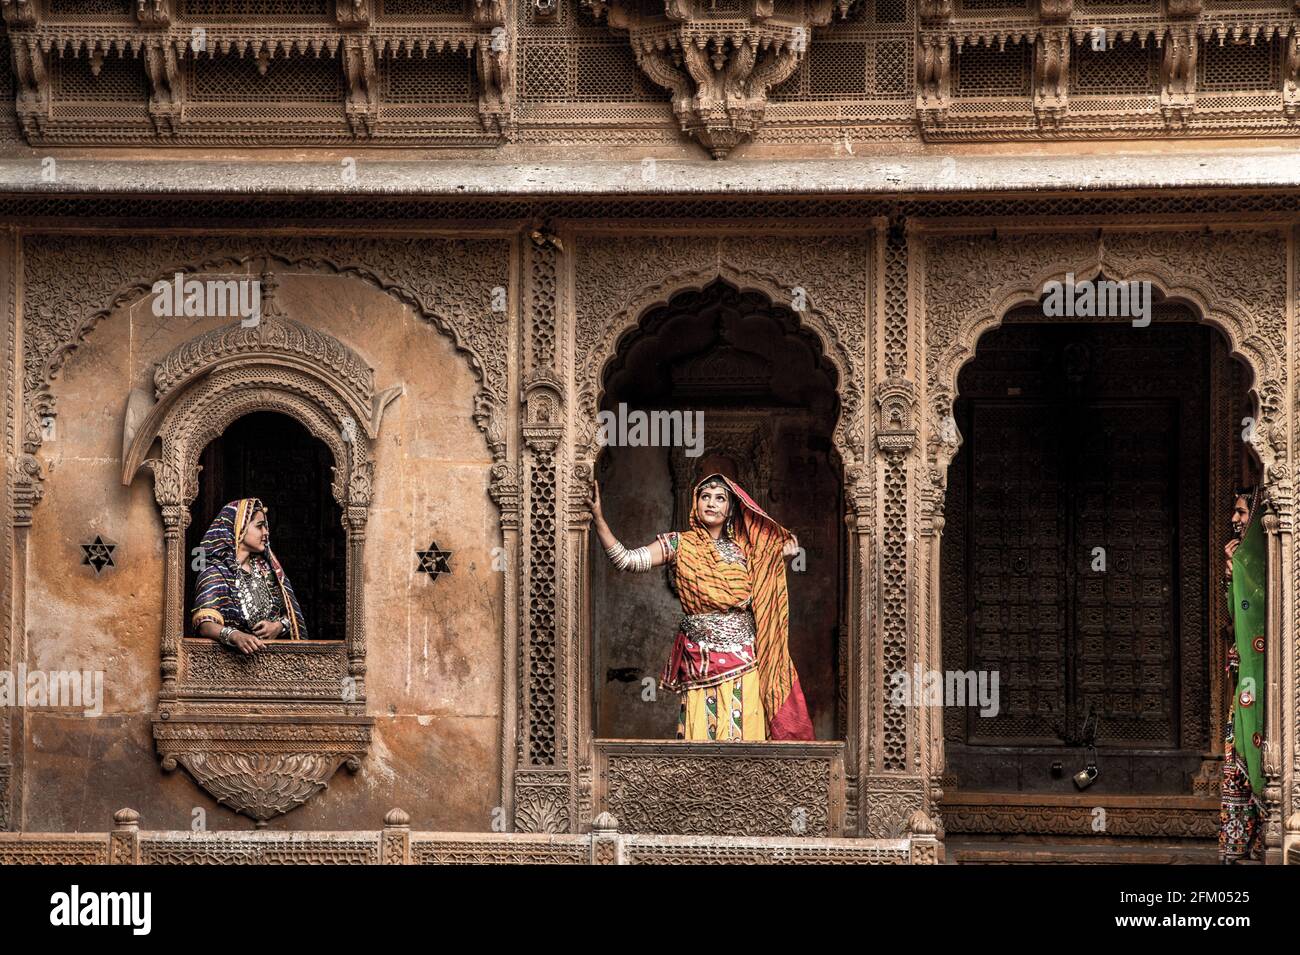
<point x="1055" y="11"/>
<point x="1291" y="77"/>
<point x="166" y="88"/>
<point x="19" y="13"/>
<point x="935" y="11"/>
<point x="1051" y="77"/>
<point x="153" y="13"/>
<point x="352" y="13"/>
<point x="1178" y="75"/>
<point x="32" y="78"/>
<point x="362" y="106"/>
<point x="933" y="80"/>
<point x="1183" y="8"/>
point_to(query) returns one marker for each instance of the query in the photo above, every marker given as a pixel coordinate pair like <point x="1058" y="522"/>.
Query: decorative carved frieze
<point x="738" y="789"/>
<point x="196" y="93"/>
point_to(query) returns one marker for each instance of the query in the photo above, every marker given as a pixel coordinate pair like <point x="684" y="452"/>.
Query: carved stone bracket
<point x="718" y="66"/>
<point x="154" y="13"/>
<point x="32" y="79"/>
<point x="1178" y="74"/>
<point x="166" y="88"/>
<point x="933" y="79"/>
<point x="1051" y="77"/>
<point x="1291" y="76"/>
<point x="263" y="766"/>
<point x="362" y="106"/>
<point x="494" y="60"/>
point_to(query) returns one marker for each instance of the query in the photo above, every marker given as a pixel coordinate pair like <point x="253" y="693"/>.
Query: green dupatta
<point x="1249" y="613"/>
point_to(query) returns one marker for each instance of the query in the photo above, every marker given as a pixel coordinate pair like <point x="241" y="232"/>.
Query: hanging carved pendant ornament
<point x="719" y="66"/>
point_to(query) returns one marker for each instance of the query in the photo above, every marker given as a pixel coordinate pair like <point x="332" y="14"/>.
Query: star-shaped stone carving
<point x="98" y="554"/>
<point x="434" y="561"/>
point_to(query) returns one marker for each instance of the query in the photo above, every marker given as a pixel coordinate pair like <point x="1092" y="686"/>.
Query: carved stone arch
<point x="847" y="433"/>
<point x="462" y="309"/>
<point x="1227" y="315"/>
<point x="264" y="733"/>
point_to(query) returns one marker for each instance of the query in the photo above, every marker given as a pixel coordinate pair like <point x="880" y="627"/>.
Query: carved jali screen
<point x="1076" y="555"/>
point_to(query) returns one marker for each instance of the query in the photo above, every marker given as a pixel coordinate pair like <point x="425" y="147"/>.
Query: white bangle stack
<point x="636" y="561"/>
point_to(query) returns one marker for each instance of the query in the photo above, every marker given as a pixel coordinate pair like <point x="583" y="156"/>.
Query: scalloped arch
<point x="628" y="319"/>
<point x="1224" y="314"/>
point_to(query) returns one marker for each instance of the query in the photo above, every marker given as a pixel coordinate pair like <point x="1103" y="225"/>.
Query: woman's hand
<point x="246" y="642"/>
<point x="595" y="501"/>
<point x="1228" y="549"/>
<point x="791" y="547"/>
<point x="268" y="629"/>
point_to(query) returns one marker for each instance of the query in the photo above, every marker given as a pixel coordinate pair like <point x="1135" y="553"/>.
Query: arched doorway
<point x="271" y="456"/>
<point x="1085" y="519"/>
<point x="769" y="405"/>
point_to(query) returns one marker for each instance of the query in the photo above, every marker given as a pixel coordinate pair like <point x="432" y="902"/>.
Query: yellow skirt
<point x="730" y="710"/>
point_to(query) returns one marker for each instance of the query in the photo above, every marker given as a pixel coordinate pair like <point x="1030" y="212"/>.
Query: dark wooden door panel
<point x="1080" y="442"/>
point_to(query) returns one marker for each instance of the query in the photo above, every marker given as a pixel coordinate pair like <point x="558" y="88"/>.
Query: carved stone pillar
<point x="354" y="527"/>
<point x="176" y="518"/>
<point x="543" y="782"/>
<point x="893" y="788"/>
<point x="1278" y="721"/>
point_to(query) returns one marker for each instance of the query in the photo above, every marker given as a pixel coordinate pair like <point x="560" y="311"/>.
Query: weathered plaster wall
<point x="433" y="655"/>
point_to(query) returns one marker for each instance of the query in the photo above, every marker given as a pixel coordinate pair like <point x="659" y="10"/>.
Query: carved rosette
<point x="718" y="66"/>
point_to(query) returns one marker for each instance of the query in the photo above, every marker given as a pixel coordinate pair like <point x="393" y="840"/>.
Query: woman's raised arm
<point x="641" y="559"/>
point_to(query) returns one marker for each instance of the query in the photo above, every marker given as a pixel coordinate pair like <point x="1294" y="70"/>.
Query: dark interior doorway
<point x="1081" y="518"/>
<point x="273" y="457"/>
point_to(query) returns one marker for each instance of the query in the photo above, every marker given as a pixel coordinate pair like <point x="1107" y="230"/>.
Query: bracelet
<point x="225" y="638"/>
<point x="637" y="561"/>
<point x="284" y="624"/>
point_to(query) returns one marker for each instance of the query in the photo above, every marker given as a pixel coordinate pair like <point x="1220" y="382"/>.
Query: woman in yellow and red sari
<point x="731" y="659"/>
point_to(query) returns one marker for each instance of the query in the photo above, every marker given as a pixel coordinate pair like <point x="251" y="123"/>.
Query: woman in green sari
<point x="1243" y="778"/>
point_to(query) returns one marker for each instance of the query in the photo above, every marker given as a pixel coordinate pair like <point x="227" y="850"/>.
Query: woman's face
<point x="713" y="505"/>
<point x="258" y="534"/>
<point x="1240" y="515"/>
